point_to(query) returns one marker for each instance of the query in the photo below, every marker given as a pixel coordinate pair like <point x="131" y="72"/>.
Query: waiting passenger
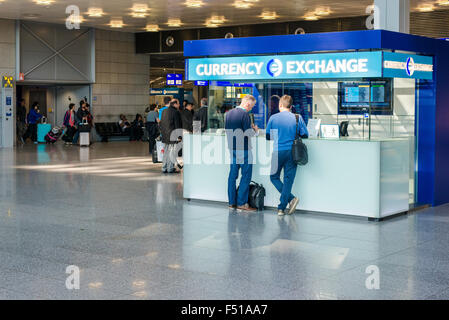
<point x="187" y="117"/>
<point x="137" y="129"/>
<point x="283" y="128"/>
<point x="167" y="100"/>
<point x="239" y="131"/>
<point x="124" y="124"/>
<point x="33" y="117"/>
<point x="171" y="121"/>
<point x="152" y="127"/>
<point x="201" y="114"/>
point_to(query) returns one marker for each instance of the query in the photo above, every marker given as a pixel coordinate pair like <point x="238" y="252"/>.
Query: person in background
<point x="171" y="121"/>
<point x="184" y="104"/>
<point x="239" y="131"/>
<point x="201" y="114"/>
<point x="187" y="117"/>
<point x="152" y="127"/>
<point x="167" y="104"/>
<point x="137" y="129"/>
<point x="274" y="104"/>
<point x="21" y="114"/>
<point x="69" y="123"/>
<point x="124" y="124"/>
<point x="80" y="115"/>
<point x="283" y="128"/>
<point x="33" y="117"/>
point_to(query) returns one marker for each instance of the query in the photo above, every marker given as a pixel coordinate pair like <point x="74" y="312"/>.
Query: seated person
<point x="124" y="124"/>
<point x="137" y="129"/>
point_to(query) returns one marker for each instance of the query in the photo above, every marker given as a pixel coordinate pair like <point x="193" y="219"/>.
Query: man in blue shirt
<point x="239" y="131"/>
<point x="282" y="128"/>
<point x="167" y="100"/>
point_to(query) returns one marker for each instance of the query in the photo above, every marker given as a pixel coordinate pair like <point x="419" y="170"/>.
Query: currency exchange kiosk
<point x="383" y="88"/>
<point x="7" y="112"/>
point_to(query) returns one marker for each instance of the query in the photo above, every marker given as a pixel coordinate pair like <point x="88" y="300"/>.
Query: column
<point x="392" y="15"/>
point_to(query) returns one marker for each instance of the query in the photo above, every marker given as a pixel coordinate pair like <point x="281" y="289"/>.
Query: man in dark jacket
<point x="171" y="130"/>
<point x="187" y="117"/>
<point x="21" y="120"/>
<point x="201" y="114"/>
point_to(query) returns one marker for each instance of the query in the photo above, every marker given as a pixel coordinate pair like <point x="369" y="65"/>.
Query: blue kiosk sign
<point x="374" y="64"/>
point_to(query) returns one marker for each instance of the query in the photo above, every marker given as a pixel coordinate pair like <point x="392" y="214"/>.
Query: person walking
<point x="170" y="122"/>
<point x="152" y="127"/>
<point x="167" y="100"/>
<point x="239" y="131"/>
<point x="282" y="128"/>
<point x="69" y="124"/>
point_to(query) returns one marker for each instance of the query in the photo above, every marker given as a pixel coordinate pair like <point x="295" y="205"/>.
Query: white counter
<point x="351" y="177"/>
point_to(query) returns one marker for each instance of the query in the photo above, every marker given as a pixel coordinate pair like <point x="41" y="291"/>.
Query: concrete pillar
<point x="393" y="15"/>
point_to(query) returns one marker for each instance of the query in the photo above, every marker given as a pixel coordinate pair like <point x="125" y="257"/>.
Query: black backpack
<point x="299" y="149"/>
<point x="257" y="195"/>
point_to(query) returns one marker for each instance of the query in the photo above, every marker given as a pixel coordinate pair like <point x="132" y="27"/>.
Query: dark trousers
<point x="241" y="160"/>
<point x="31" y="132"/>
<point x="153" y="133"/>
<point x="283" y="160"/>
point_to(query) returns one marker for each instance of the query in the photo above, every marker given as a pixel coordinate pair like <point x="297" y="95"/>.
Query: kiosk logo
<point x="410" y="66"/>
<point x="274" y="67"/>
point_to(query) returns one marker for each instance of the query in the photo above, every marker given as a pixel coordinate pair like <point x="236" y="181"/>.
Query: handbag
<point x="257" y="195"/>
<point x="299" y="149"/>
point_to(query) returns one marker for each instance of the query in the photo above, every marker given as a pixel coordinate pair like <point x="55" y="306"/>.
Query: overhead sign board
<point x="400" y="65"/>
<point x="174" y="79"/>
<point x="304" y="66"/>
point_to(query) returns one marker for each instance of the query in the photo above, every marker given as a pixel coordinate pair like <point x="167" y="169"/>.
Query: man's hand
<point x="255" y="128"/>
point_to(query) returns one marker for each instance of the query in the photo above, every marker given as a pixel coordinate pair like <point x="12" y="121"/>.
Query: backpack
<point x="257" y="195"/>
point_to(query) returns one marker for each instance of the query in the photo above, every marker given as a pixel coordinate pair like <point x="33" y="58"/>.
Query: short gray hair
<point x="249" y="98"/>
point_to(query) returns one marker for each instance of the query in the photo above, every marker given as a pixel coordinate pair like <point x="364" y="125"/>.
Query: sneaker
<point x="232" y="207"/>
<point x="292" y="205"/>
<point x="281" y="213"/>
<point x="246" y="207"/>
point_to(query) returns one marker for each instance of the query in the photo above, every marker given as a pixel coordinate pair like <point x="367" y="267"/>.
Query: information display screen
<point x="357" y="97"/>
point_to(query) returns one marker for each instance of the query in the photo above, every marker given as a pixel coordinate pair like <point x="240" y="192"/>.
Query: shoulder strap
<point x="297" y="125"/>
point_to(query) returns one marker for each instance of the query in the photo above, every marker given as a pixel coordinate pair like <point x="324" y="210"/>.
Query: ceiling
<point x="161" y="10"/>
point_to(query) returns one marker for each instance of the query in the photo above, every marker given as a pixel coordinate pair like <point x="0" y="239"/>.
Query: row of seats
<point x="107" y="130"/>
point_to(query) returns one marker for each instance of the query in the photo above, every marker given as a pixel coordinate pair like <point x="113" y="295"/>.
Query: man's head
<point x="204" y="102"/>
<point x="71" y="106"/>
<point x="174" y="103"/>
<point x="167" y="100"/>
<point x="122" y="117"/>
<point x="248" y="102"/>
<point x="285" y="103"/>
<point x="189" y="106"/>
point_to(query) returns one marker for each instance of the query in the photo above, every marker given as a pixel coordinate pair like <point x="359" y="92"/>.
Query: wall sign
<point x="311" y="66"/>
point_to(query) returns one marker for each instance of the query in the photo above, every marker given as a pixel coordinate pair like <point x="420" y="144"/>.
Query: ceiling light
<point x="443" y="2"/>
<point x="323" y="11"/>
<point x="242" y="4"/>
<point x="428" y="7"/>
<point x="269" y="15"/>
<point x="139" y="14"/>
<point x="152" y="28"/>
<point x="116" y="23"/>
<point x="31" y="15"/>
<point x="95" y="12"/>
<point x="194" y="3"/>
<point x="311" y="17"/>
<point x="140" y="7"/>
<point x="210" y="24"/>
<point x="44" y="2"/>
<point x="73" y="19"/>
<point x="174" y="23"/>
<point x="217" y="19"/>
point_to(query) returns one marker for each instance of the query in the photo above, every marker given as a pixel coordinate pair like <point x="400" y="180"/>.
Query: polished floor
<point x="109" y="211"/>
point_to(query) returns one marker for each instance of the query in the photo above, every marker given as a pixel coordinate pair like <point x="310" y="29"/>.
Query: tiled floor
<point x="108" y="210"/>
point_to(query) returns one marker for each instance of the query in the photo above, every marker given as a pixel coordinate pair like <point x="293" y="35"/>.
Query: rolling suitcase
<point x="42" y="130"/>
<point x="84" y="139"/>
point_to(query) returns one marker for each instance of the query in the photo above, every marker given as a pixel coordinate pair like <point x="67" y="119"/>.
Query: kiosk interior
<point x="361" y="107"/>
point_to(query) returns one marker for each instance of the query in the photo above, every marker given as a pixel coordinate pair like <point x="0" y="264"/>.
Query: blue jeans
<point x="240" y="160"/>
<point x="283" y="160"/>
